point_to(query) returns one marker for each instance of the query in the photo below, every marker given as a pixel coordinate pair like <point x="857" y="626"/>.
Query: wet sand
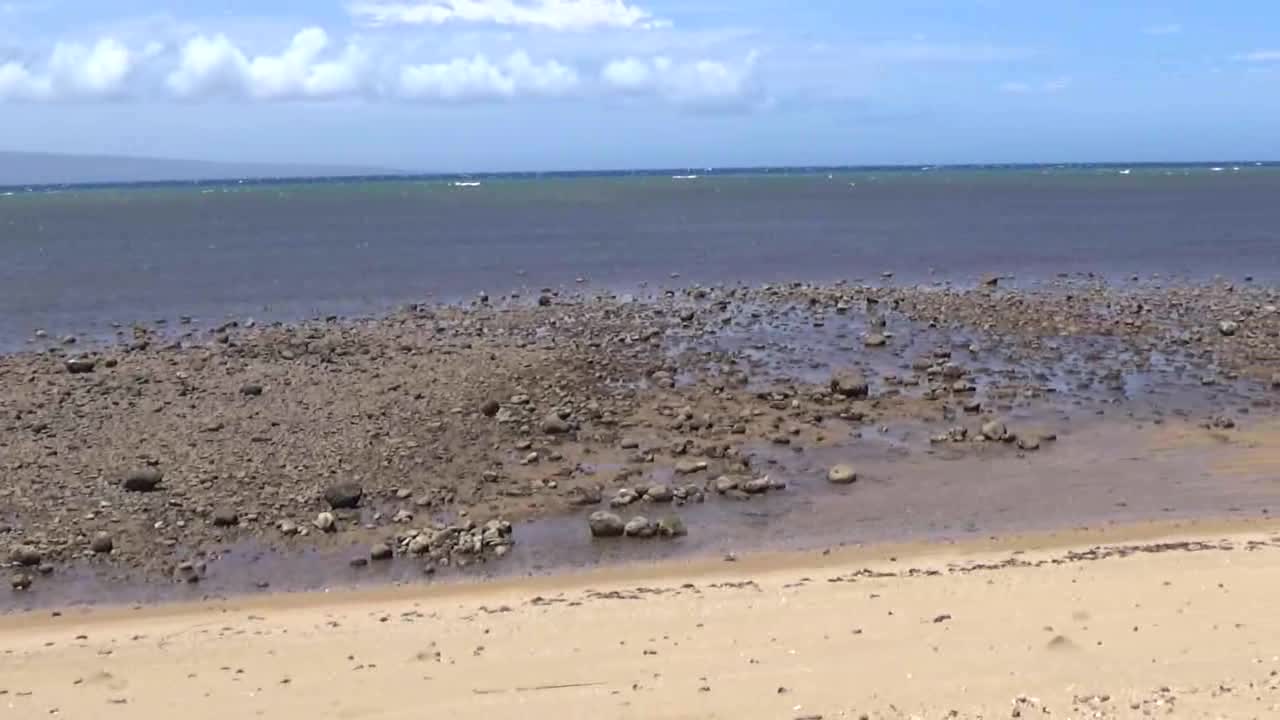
<point x="1162" y="621"/>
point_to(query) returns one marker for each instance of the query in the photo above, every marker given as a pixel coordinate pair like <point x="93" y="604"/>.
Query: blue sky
<point x="456" y="85"/>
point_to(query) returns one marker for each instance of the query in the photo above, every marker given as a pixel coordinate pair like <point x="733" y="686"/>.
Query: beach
<point x="1157" y="621"/>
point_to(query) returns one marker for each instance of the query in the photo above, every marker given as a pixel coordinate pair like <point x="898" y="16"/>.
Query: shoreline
<point x="1163" y="618"/>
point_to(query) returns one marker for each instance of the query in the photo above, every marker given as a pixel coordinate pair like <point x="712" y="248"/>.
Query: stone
<point x="343" y="495"/>
<point x="633" y="444"/>
<point x="289" y="527"/>
<point x="757" y="486"/>
<point x="402" y="517"/>
<point x="420" y="544"/>
<point x="1228" y="327"/>
<point x="624" y="497"/>
<point x="25" y="556"/>
<point x="583" y="496"/>
<point x="20" y="582"/>
<point x="973" y="407"/>
<point x="850" y="385"/>
<point x="672" y="526"/>
<point x="725" y="483"/>
<point x="225" y="517"/>
<point x="81" y="365"/>
<point x="875" y="340"/>
<point x="659" y="494"/>
<point x="553" y="424"/>
<point x="689" y="467"/>
<point x="1029" y="442"/>
<point x="145" y="480"/>
<point x="251" y="390"/>
<point x="380" y="552"/>
<point x="995" y="431"/>
<point x="842" y="475"/>
<point x="490" y="408"/>
<point x="102" y="543"/>
<point x="325" y="522"/>
<point x="1275" y="381"/>
<point x="606" y="525"/>
<point x="640" y="527"/>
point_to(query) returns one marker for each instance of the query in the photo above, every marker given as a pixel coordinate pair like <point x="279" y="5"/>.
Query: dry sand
<point x="1167" y="621"/>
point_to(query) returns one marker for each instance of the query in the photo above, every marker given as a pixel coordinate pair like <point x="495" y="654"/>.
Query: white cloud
<point x="478" y="78"/>
<point x="547" y="14"/>
<point x="1166" y="29"/>
<point x="1046" y="87"/>
<point x="72" y="72"/>
<point x="216" y="66"/>
<point x="1259" y="56"/>
<point x="710" y="83"/>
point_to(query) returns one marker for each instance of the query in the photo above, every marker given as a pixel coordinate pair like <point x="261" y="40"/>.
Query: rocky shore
<point x="432" y="433"/>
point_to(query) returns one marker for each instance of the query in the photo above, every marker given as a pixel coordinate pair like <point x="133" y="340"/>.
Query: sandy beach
<point x="1157" y="620"/>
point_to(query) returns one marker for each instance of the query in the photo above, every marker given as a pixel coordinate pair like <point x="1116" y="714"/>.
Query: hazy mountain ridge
<point x="29" y="168"/>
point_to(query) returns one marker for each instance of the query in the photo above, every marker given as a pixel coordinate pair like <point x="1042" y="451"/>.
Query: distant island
<point x="29" y="168"/>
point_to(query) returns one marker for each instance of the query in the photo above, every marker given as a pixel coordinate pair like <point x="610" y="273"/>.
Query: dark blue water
<point x="77" y="260"/>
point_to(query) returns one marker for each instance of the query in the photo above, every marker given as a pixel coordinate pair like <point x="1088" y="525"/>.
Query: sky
<point x="492" y="85"/>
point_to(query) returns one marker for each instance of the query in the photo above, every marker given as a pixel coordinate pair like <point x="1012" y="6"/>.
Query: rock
<point x="583" y="496"/>
<point x="659" y="494"/>
<point x="757" y="486"/>
<point x="875" y="340"/>
<point x="25" y="556"/>
<point x="225" y="517"/>
<point x="1228" y="327"/>
<point x="20" y="582"/>
<point x="973" y="407"/>
<point x="672" y="527"/>
<point x="1275" y="381"/>
<point x="842" y="475"/>
<point x="251" y="390"/>
<point x="633" y="444"/>
<point x="402" y="517"/>
<point x="380" y="552"/>
<point x="689" y="467"/>
<point x="146" y="480"/>
<point x="1029" y="442"/>
<point x="640" y="527"/>
<point x="325" y="522"/>
<point x="995" y="431"/>
<point x="990" y="280"/>
<point x="102" y="543"/>
<point x="490" y="408"/>
<point x="420" y="544"/>
<point x="606" y="524"/>
<point x="288" y="527"/>
<point x="343" y="495"/>
<point x="1222" y="422"/>
<point x="725" y="483"/>
<point x="624" y="497"/>
<point x="553" y="424"/>
<point x="81" y="365"/>
<point x="850" y="385"/>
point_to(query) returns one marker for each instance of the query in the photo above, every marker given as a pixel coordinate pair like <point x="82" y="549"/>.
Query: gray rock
<point x="850" y="385"/>
<point x="81" y="365"/>
<point x="606" y="524"/>
<point x="420" y="544"/>
<point x="640" y="527"/>
<point x="995" y="431"/>
<point x="289" y="527"/>
<point x="757" y="486"/>
<point x="251" y="390"/>
<point x="553" y="424"/>
<point x="842" y="475"/>
<point x="659" y="494"/>
<point x="1029" y="442"/>
<point x="325" y="522"/>
<point x="875" y="340"/>
<point x="689" y="467"/>
<point x="490" y="408"/>
<point x="102" y="543"/>
<point x="1228" y="327"/>
<point x="343" y="495"/>
<point x="725" y="483"/>
<point x="225" y="517"/>
<point x="20" y="582"/>
<point x="671" y="527"/>
<point x="624" y="497"/>
<point x="145" y="480"/>
<point x="25" y="556"/>
<point x="379" y="552"/>
<point x="587" y="495"/>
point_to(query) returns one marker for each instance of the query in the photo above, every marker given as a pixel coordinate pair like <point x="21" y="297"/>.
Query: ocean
<point x="80" y="259"/>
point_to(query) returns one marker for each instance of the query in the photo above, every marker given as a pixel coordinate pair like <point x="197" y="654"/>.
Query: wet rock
<point x="380" y="552"/>
<point x="343" y="495"/>
<point x="842" y="475"/>
<point x="225" y="517"/>
<point x="624" y="497"/>
<point x="325" y="522"/>
<point x="145" y="480"/>
<point x="875" y="340"/>
<point x="995" y="431"/>
<point x="251" y="390"/>
<point x="81" y="365"/>
<point x="850" y="385"/>
<point x="606" y="524"/>
<point x="102" y="543"/>
<point x="689" y="467"/>
<point x="25" y="556"/>
<point x="553" y="424"/>
<point x="20" y="582"/>
<point x="640" y="527"/>
<point x="672" y="527"/>
<point x="659" y="494"/>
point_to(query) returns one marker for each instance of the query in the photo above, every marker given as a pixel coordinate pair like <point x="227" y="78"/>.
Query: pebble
<point x="842" y="475"/>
